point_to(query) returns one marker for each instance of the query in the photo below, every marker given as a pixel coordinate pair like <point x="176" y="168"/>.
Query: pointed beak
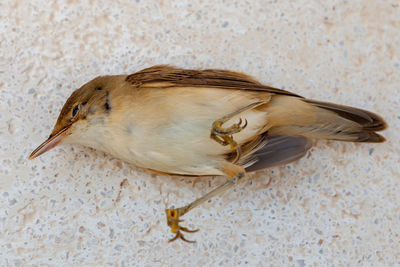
<point x="51" y="142"/>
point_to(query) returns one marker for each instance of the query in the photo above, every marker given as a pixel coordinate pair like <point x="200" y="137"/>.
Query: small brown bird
<point x="202" y="122"/>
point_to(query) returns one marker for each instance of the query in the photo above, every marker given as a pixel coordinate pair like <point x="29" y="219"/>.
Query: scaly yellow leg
<point x="234" y="172"/>
<point x="173" y="215"/>
<point x="224" y="135"/>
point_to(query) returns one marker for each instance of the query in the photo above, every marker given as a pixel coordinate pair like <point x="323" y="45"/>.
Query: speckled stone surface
<point x="340" y="205"/>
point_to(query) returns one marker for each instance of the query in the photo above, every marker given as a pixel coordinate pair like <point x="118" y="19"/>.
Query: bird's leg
<point x="235" y="174"/>
<point x="224" y="135"/>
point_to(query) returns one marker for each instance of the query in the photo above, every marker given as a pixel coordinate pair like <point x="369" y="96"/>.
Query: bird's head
<point x="86" y="107"/>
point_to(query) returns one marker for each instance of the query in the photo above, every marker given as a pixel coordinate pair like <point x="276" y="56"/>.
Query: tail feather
<point x="369" y="121"/>
<point x="369" y="137"/>
<point x="323" y="120"/>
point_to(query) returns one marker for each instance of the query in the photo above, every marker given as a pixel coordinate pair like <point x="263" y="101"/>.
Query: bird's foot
<point x="218" y="130"/>
<point x="224" y="135"/>
<point x="173" y="222"/>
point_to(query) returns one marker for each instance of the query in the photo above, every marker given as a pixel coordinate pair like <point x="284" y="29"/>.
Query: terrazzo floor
<point x="74" y="206"/>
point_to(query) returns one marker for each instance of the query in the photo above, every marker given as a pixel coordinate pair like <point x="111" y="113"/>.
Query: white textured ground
<point x="338" y="205"/>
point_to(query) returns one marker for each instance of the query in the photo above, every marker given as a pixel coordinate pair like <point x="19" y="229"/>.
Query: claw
<point x="181" y="236"/>
<point x="175" y="237"/>
<point x="219" y="139"/>
<point x="245" y="124"/>
<point x="235" y="128"/>
<point x="184" y="229"/>
<point x="224" y="135"/>
<point x="173" y="222"/>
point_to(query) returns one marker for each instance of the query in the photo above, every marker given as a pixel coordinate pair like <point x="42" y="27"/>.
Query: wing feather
<point x="161" y="76"/>
<point x="277" y="150"/>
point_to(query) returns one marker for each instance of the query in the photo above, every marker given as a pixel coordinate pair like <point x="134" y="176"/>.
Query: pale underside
<point x="178" y="141"/>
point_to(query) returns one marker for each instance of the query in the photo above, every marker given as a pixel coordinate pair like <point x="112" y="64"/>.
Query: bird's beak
<point x="51" y="142"/>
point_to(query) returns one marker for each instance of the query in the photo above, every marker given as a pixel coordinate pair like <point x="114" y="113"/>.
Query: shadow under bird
<point x="202" y="122"/>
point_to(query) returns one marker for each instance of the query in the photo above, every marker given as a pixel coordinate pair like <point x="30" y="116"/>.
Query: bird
<point x="208" y="122"/>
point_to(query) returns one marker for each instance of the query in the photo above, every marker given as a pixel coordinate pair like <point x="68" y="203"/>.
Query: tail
<point x="313" y="119"/>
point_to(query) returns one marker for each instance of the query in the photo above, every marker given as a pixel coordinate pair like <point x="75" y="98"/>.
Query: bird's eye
<point x="75" y="110"/>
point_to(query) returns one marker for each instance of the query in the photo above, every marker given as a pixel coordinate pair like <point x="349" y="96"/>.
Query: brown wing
<point x="278" y="150"/>
<point x="167" y="76"/>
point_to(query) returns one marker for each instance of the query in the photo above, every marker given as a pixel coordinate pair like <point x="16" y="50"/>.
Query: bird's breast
<point x="169" y="130"/>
